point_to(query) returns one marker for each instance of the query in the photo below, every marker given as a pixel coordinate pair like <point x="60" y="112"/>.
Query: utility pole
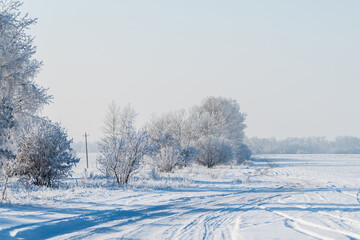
<point x="86" y="149"/>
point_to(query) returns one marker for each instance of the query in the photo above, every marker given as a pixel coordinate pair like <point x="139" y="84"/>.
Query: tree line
<point x="309" y="145"/>
<point x="209" y="134"/>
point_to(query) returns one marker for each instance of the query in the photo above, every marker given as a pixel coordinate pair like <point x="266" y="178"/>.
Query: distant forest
<point x="310" y="145"/>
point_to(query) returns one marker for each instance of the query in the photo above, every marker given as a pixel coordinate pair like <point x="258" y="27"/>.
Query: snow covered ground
<point x="276" y="197"/>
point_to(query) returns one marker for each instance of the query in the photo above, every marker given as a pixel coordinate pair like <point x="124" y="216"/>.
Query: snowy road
<point x="279" y="197"/>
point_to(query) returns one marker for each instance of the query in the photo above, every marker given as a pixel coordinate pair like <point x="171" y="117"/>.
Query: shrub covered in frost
<point x="168" y="134"/>
<point x="171" y="156"/>
<point x="241" y="152"/>
<point x="44" y="154"/>
<point x="213" y="151"/>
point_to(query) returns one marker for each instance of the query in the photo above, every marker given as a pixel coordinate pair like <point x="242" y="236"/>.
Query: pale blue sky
<point x="294" y="66"/>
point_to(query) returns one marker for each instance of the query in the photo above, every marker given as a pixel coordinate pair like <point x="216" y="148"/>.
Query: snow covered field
<point x="276" y="197"/>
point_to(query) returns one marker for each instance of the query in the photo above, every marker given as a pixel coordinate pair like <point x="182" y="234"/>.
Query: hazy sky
<point x="294" y="66"/>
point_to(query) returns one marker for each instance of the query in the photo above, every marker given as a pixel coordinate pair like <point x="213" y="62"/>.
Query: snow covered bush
<point x="169" y="157"/>
<point x="168" y="134"/>
<point x="213" y="151"/>
<point x="241" y="153"/>
<point x="123" y="146"/>
<point x="44" y="154"/>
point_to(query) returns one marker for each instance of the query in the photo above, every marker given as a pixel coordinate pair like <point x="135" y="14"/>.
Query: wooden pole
<point x="86" y="150"/>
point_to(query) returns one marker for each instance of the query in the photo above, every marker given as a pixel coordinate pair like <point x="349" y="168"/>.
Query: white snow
<point x="275" y="197"/>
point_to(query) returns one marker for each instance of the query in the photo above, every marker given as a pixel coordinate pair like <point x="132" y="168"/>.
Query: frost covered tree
<point x="123" y="146"/>
<point x="169" y="127"/>
<point x="219" y="118"/>
<point x="168" y="133"/>
<point x="241" y="152"/>
<point x="215" y="118"/>
<point x="169" y="156"/>
<point x="110" y="142"/>
<point x="20" y="96"/>
<point x="44" y="154"/>
<point x="213" y="151"/>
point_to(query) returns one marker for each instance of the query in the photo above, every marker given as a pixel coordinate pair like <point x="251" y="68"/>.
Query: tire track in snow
<point x="298" y="221"/>
<point x="302" y="230"/>
<point x="295" y="223"/>
<point x="90" y="219"/>
<point x="212" y="223"/>
<point x="210" y="220"/>
<point x="345" y="219"/>
<point x="357" y="196"/>
<point x="210" y="216"/>
<point x="217" y="220"/>
<point x="187" y="209"/>
<point x="174" y="208"/>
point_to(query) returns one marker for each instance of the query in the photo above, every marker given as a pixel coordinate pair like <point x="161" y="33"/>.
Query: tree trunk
<point x="3" y="195"/>
<point x="117" y="178"/>
<point x="127" y="178"/>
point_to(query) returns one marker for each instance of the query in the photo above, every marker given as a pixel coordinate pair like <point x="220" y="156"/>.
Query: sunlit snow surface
<point x="276" y="197"/>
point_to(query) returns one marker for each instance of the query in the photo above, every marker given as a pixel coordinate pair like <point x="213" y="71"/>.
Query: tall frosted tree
<point x="20" y="96"/>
